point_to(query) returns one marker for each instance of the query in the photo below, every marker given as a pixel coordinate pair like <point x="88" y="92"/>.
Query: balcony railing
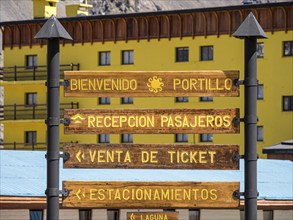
<point x="25" y="73"/>
<point x="28" y="146"/>
<point x="22" y="112"/>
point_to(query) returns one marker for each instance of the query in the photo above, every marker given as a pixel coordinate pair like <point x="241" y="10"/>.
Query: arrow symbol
<point x="77" y="194"/>
<point x="78" y="156"/>
<point x="132" y="217"/>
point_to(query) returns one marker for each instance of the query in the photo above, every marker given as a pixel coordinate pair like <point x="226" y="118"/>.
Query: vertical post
<point x="250" y="30"/>
<point x="53" y="104"/>
<point x="53" y="30"/>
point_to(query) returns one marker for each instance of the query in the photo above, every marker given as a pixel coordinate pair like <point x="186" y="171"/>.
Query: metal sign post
<point x="52" y="30"/>
<point x="250" y="30"/>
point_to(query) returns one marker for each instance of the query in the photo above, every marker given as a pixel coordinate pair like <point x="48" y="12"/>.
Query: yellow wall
<point x="44" y="8"/>
<point x="274" y="71"/>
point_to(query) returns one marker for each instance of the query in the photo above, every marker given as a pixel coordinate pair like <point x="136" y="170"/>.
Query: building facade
<point x="195" y="39"/>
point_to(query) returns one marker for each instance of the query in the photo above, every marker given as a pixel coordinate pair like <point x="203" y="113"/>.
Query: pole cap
<point x="250" y="28"/>
<point x="53" y="29"/>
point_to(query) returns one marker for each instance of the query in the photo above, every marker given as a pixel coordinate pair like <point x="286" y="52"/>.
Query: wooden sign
<point x="151" y="121"/>
<point x="151" y="84"/>
<point x="144" y="156"/>
<point x="152" y="215"/>
<point x="109" y="195"/>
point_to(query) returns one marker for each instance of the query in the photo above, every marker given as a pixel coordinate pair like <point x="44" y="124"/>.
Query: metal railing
<point x="25" y="73"/>
<point x="38" y="111"/>
<point x="28" y="146"/>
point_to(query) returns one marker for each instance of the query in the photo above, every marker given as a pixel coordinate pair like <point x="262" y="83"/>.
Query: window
<point x="31" y="98"/>
<point x="104" y="138"/>
<point x="268" y="214"/>
<point x="287" y="103"/>
<point x="260" y="92"/>
<point x="288" y="48"/>
<point x="30" y="137"/>
<point x="36" y="214"/>
<point x="206" y="53"/>
<point x="259" y="133"/>
<point x="206" y="99"/>
<point x="113" y="214"/>
<point x="127" y="100"/>
<point x="104" y="58"/>
<point x="194" y="214"/>
<point x="206" y="137"/>
<point x="127" y="57"/>
<point x="182" y="54"/>
<point x="85" y="214"/>
<point x="104" y="101"/>
<point x="181" y="99"/>
<point x="31" y="61"/>
<point x="260" y="50"/>
<point x="127" y="138"/>
<point x="181" y="138"/>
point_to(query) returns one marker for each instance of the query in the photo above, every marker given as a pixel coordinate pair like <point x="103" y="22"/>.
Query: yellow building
<point x="195" y="39"/>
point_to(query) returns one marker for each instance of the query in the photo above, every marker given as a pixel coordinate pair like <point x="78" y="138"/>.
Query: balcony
<point x="28" y="73"/>
<point x="28" y="146"/>
<point x="25" y="112"/>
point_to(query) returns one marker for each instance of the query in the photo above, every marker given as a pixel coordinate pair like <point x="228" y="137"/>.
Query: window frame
<point x="127" y="138"/>
<point x="34" y="61"/>
<point x="104" y="138"/>
<point x="290" y="49"/>
<point x="33" y="212"/>
<point x="181" y="99"/>
<point x="210" y="53"/>
<point x="33" y="98"/>
<point x="85" y="214"/>
<point x="104" y="100"/>
<point x="181" y="138"/>
<point x="108" y="58"/>
<point x="260" y="92"/>
<point x="260" y="50"/>
<point x="182" y="54"/>
<point x="206" y="99"/>
<point x="116" y="214"/>
<point x="260" y="133"/>
<point x="290" y="103"/>
<point x="194" y="214"/>
<point x="127" y="100"/>
<point x="130" y="59"/>
<point x="206" y="137"/>
<point x="33" y="137"/>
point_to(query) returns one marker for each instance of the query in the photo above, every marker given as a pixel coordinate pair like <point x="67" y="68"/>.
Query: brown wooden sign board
<point x="87" y="194"/>
<point x="155" y="156"/>
<point x="152" y="215"/>
<point x="151" y="121"/>
<point x="151" y="84"/>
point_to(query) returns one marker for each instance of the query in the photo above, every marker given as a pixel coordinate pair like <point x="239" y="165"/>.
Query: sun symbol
<point x="155" y="84"/>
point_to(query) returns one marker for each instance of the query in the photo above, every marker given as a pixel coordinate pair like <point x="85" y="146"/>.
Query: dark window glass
<point x="260" y="94"/>
<point x="30" y="137"/>
<point x="127" y="138"/>
<point x="194" y="214"/>
<point x="288" y="48"/>
<point x="31" y="98"/>
<point x="181" y="138"/>
<point x="260" y="50"/>
<point x="127" y="57"/>
<point x="260" y="133"/>
<point x="104" y="101"/>
<point x="36" y="214"/>
<point x="85" y="214"/>
<point x="287" y="103"/>
<point x="104" y="58"/>
<point x="104" y="138"/>
<point x="31" y="61"/>
<point x="268" y="214"/>
<point x="206" y="99"/>
<point x="113" y="214"/>
<point x="206" y="53"/>
<point x="182" y="54"/>
<point x="127" y="100"/>
<point x="206" y="137"/>
<point x="181" y="99"/>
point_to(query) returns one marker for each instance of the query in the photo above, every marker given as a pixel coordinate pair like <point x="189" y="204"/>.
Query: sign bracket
<point x="65" y="156"/>
<point x="65" y="121"/>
